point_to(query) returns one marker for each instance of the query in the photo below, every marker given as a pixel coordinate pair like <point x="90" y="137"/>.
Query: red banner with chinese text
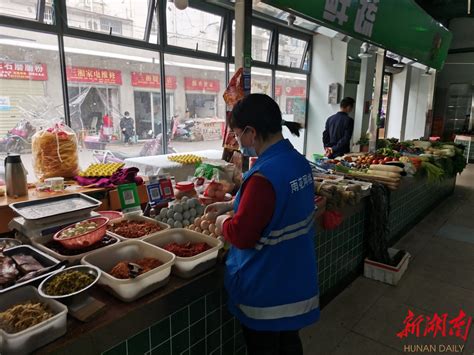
<point x="298" y="91"/>
<point x="23" y="71"/>
<point x="150" y="80"/>
<point x="195" y="84"/>
<point x="93" y="75"/>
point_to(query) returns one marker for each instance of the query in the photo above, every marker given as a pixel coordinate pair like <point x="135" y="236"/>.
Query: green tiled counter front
<point x="195" y="320"/>
<point x="413" y="200"/>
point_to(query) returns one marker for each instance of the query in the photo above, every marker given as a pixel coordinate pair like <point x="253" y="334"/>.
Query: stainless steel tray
<point x="42" y="258"/>
<point x="53" y="209"/>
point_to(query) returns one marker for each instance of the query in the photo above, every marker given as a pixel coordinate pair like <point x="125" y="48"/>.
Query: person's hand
<point x="220" y="223"/>
<point x="328" y="151"/>
<point x="219" y="208"/>
<point x="123" y="129"/>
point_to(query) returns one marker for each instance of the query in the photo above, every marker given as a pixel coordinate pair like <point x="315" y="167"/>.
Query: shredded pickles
<point x="68" y="282"/>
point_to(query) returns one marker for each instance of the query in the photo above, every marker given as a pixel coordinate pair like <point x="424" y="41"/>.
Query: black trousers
<point x="272" y="343"/>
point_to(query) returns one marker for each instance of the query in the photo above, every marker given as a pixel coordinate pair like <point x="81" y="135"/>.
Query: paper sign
<point x="154" y="193"/>
<point x="129" y="199"/>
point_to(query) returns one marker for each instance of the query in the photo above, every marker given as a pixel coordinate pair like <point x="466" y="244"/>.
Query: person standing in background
<point x="127" y="127"/>
<point x="339" y="128"/>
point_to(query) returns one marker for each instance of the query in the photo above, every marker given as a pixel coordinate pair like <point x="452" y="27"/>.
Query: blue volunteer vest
<point x="274" y="286"/>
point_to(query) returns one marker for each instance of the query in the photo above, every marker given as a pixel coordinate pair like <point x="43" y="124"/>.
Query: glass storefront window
<point x="290" y="94"/>
<point x="261" y="38"/>
<point x="192" y="28"/>
<point x="30" y="89"/>
<point x="118" y="18"/>
<point x="115" y="98"/>
<point x="24" y="9"/>
<point x="291" y="51"/>
<point x="196" y="114"/>
<point x="261" y="81"/>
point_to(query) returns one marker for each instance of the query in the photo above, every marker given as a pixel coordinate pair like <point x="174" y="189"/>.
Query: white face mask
<point x="239" y="139"/>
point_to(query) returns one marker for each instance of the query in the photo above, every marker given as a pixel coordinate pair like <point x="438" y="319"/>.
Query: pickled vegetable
<point x="68" y="282"/>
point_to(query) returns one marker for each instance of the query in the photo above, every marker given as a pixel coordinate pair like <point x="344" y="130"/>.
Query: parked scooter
<point x="182" y="131"/>
<point x="18" y="138"/>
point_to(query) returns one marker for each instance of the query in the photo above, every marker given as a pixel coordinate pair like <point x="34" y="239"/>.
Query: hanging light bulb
<point x="181" y="4"/>
<point x="427" y="72"/>
<point x="399" y="64"/>
<point x="364" y="51"/>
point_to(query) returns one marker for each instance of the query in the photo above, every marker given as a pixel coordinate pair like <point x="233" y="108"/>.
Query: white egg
<point x="190" y="204"/>
<point x="178" y="224"/>
<point x="212" y="228"/>
<point x="192" y="212"/>
<point x="178" y="217"/>
<point x="185" y="206"/>
<point x="178" y="208"/>
<point x="170" y="213"/>
<point x="163" y="212"/>
<point x="186" y="215"/>
<point x="185" y="222"/>
<point x="184" y="199"/>
<point x="170" y="221"/>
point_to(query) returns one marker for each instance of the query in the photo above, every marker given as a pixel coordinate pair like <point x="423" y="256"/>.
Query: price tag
<point x="129" y="200"/>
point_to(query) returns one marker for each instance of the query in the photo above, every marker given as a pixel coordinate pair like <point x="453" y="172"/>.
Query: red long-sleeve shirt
<point x="255" y="211"/>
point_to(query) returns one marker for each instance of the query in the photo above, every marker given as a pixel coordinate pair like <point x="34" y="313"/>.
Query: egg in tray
<point x="101" y="170"/>
<point x="185" y="159"/>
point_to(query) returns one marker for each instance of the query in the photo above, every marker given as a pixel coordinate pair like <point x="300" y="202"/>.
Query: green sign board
<point x="128" y="195"/>
<point x="400" y="26"/>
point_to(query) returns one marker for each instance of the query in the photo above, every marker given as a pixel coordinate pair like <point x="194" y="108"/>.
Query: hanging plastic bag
<point x="55" y="152"/>
<point x="235" y="89"/>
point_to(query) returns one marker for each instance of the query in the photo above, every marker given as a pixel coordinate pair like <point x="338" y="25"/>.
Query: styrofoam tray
<point x="386" y="273"/>
<point x="138" y="217"/>
<point x="72" y="259"/>
<point x="37" y="336"/>
<point x="189" y="267"/>
<point x="130" y="289"/>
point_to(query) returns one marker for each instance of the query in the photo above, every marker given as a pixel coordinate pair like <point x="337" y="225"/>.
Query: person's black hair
<point x="347" y="101"/>
<point x="126" y="113"/>
<point x="263" y="114"/>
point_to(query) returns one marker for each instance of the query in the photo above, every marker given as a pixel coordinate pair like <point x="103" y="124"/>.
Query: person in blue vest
<point x="271" y="270"/>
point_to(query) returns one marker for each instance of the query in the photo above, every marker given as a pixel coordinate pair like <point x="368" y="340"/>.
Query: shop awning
<point x="400" y="26"/>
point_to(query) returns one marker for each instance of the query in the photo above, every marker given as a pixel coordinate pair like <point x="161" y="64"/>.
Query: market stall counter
<point x="191" y="314"/>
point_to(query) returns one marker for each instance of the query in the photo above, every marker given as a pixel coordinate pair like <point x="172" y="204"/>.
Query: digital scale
<point x="35" y="231"/>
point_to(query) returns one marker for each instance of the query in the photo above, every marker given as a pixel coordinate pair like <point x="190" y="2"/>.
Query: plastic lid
<point x="185" y="186"/>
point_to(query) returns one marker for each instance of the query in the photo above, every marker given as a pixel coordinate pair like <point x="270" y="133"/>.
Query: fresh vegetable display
<point x="186" y="250"/>
<point x="181" y="214"/>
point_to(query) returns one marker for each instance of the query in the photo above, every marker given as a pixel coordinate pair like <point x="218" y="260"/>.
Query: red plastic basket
<point x="111" y="214"/>
<point x="86" y="239"/>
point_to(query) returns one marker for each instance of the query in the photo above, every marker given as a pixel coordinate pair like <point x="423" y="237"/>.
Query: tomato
<point x="387" y="159"/>
<point x="375" y="161"/>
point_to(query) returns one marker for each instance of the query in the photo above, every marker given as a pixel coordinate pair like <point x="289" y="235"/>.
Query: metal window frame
<point x="157" y="8"/>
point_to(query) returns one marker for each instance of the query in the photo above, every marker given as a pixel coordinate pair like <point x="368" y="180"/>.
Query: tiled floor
<point x="365" y="318"/>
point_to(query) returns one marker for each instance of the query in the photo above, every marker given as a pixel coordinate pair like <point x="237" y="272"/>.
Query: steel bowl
<point x="91" y="270"/>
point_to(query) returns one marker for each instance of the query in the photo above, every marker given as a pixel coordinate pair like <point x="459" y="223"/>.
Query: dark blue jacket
<point x="338" y="133"/>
